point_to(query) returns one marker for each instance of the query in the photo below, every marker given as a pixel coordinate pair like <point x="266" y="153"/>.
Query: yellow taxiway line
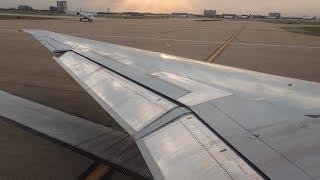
<point x="100" y="171"/>
<point x="217" y="52"/>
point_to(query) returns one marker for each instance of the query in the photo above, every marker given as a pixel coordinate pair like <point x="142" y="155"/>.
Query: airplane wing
<point x="194" y="120"/>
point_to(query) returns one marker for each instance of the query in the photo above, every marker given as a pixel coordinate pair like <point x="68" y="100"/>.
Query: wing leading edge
<point x="193" y="124"/>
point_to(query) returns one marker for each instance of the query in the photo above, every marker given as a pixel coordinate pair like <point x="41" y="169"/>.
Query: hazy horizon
<point x="286" y="7"/>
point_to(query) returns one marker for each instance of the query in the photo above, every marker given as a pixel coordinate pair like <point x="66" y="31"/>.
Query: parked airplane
<point x="273" y="17"/>
<point x="188" y="119"/>
<point x="228" y="17"/>
<point x="309" y="18"/>
<point x="245" y="16"/>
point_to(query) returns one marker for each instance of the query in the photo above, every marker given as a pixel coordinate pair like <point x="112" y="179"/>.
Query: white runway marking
<point x="210" y="42"/>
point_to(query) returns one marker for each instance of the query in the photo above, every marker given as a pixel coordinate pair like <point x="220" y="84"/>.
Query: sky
<point x="286" y="7"/>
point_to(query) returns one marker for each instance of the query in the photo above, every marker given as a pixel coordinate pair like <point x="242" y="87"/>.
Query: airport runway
<point x="27" y="70"/>
<point x="261" y="46"/>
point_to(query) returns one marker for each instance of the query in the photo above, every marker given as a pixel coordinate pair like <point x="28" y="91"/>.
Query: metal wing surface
<point x="194" y="120"/>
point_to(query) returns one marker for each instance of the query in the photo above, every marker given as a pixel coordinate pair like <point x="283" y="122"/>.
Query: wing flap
<point x="186" y="149"/>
